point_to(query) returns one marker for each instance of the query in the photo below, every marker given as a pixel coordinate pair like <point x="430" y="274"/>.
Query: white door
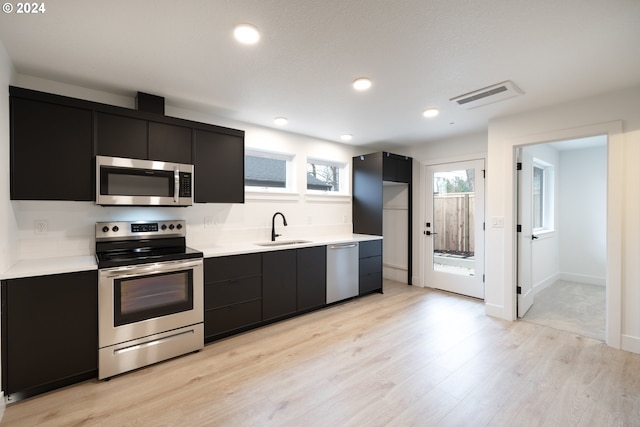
<point x="524" y="232"/>
<point x="454" y="227"/>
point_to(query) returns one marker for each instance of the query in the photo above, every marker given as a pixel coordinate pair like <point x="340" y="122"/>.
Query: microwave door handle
<point x="176" y="183"/>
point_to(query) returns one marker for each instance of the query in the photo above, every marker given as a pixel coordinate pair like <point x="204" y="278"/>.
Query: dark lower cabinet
<point x="49" y="332"/>
<point x="311" y="272"/>
<point x="51" y="151"/>
<point x="279" y="284"/>
<point x="232" y="294"/>
<point x="370" y="266"/>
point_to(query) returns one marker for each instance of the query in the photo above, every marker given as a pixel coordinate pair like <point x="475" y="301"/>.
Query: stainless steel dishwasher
<point x="342" y="271"/>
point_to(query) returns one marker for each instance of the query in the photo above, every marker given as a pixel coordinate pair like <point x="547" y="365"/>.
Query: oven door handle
<point x="138" y="270"/>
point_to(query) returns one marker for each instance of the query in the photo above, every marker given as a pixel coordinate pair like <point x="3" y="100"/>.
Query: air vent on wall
<point x="488" y="95"/>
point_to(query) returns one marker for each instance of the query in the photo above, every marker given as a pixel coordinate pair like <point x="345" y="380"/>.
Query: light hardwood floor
<point x="409" y="357"/>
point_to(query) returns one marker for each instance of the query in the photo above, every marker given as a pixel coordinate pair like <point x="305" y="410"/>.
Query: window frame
<point x="343" y="177"/>
<point x="290" y="180"/>
<point x="547" y="212"/>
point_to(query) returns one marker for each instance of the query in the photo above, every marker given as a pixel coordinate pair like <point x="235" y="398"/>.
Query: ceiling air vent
<point x="488" y="95"/>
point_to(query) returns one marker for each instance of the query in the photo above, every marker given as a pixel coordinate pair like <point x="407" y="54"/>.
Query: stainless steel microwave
<point x="135" y="182"/>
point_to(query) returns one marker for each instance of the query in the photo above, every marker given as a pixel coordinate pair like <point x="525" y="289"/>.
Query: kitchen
<point x="67" y="229"/>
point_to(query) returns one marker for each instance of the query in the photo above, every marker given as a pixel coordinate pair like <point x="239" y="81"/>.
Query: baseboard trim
<point x="581" y="278"/>
<point x="630" y="343"/>
<point x="543" y="284"/>
<point x="496" y="311"/>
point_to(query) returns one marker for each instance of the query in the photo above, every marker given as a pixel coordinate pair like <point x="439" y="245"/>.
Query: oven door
<point x="142" y="300"/>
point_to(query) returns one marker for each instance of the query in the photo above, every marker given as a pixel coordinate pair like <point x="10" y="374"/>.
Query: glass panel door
<point x="454" y="227"/>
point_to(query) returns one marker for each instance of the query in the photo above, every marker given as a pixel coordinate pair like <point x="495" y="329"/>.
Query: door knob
<point x="534" y="237"/>
<point x="429" y="233"/>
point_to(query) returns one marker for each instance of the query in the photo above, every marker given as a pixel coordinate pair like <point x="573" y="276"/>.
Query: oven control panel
<point x="123" y="230"/>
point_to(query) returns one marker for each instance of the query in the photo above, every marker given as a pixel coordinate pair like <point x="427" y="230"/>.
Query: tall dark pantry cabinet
<point x="370" y="172"/>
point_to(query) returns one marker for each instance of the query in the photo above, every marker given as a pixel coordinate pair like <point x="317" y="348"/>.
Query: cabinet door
<point x="169" y="143"/>
<point x="311" y="277"/>
<point x="219" y="167"/>
<point x="278" y="284"/>
<point x="396" y="168"/>
<point x="121" y="136"/>
<point x="50" y="331"/>
<point x="51" y="152"/>
<point x="367" y="194"/>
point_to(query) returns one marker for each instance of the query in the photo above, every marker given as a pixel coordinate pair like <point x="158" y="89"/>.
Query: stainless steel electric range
<point x="150" y="297"/>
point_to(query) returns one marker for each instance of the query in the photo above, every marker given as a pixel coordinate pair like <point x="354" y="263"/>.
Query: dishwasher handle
<point x="349" y="245"/>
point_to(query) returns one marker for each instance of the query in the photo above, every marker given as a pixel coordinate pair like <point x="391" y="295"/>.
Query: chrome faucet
<point x="273" y="225"/>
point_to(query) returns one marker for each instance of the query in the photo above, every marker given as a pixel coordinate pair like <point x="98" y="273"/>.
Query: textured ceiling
<point x="419" y="54"/>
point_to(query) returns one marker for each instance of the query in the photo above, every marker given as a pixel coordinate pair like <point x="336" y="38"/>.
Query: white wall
<point x="616" y="114"/>
<point x="395" y="217"/>
<point x="583" y="215"/>
<point x="545" y="251"/>
<point x="7" y="221"/>
<point x="71" y="224"/>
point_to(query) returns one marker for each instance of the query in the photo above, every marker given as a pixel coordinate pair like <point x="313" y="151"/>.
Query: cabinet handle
<point x="352" y="245"/>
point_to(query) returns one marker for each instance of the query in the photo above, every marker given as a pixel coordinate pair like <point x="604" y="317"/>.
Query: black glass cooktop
<point x="118" y="258"/>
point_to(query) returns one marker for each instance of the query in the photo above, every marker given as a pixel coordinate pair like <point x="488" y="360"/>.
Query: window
<point x="538" y="197"/>
<point x="265" y="170"/>
<point x="542" y="194"/>
<point x="326" y="176"/>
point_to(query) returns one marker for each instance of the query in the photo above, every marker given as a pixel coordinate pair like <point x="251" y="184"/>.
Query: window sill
<point x="327" y="197"/>
<point x="271" y="195"/>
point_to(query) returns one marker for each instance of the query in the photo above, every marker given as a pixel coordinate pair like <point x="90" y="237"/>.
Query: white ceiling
<point x="419" y="54"/>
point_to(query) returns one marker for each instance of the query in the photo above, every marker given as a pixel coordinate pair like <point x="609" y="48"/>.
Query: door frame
<point x="615" y="180"/>
<point x="422" y="261"/>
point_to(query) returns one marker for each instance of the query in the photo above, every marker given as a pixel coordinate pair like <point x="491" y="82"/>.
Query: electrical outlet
<point x="40" y="226"/>
<point x="209" y="222"/>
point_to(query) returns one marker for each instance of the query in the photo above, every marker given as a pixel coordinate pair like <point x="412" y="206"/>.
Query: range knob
<point x="179" y="226"/>
<point x="171" y="227"/>
<point x="115" y="228"/>
<point x="105" y="229"/>
<point x="164" y="226"/>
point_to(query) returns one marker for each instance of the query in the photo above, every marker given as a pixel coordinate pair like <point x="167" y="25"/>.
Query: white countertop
<point x="246" y="248"/>
<point x="46" y="266"/>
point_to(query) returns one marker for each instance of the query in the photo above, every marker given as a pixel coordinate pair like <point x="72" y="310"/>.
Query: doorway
<point x="561" y="238"/>
<point x="454" y="227"/>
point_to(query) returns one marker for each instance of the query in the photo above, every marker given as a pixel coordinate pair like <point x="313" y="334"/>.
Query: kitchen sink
<point x="284" y="243"/>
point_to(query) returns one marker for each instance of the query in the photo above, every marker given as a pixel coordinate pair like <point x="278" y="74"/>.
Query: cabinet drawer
<point x="371" y="282"/>
<point x="370" y="248"/>
<point x="232" y="291"/>
<point x="231" y="267"/>
<point x="232" y="317"/>
<point x="370" y="265"/>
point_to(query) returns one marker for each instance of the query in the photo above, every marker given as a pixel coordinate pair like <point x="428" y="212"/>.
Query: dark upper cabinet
<point x="219" y="167"/>
<point x="279" y="294"/>
<point x="121" y="136"/>
<point x="49" y="331"/>
<point x="51" y="151"/>
<point x="54" y="141"/>
<point x="311" y="271"/>
<point x="396" y="168"/>
<point x="169" y="143"/>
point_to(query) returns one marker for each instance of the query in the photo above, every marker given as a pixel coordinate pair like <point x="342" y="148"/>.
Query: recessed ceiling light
<point x="362" y="83"/>
<point x="346" y="137"/>
<point x="246" y="34"/>
<point x="431" y="112"/>
<point x="280" y="121"/>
